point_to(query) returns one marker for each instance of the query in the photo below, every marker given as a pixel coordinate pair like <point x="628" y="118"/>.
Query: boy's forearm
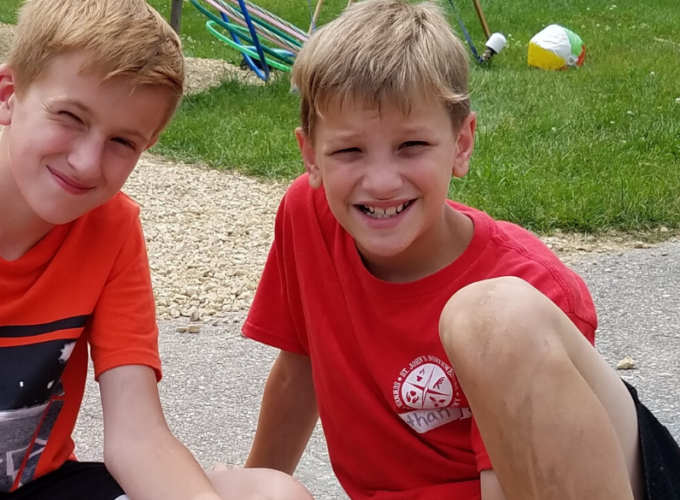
<point x="287" y="417"/>
<point x="158" y="467"/>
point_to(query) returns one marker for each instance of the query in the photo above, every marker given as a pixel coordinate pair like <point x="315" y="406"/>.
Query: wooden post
<point x="176" y="15"/>
<point x="316" y="16"/>
<point x="482" y="19"/>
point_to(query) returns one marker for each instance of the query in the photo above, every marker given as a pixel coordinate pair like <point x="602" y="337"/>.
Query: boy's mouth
<point x="69" y="184"/>
<point x="384" y="213"/>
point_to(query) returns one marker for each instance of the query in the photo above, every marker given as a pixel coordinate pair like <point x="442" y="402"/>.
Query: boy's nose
<point x="382" y="180"/>
<point x="86" y="158"/>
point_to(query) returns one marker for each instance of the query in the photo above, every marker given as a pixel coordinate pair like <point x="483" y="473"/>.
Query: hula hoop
<point x="269" y="32"/>
<point x="246" y="50"/>
<point x="236" y="42"/>
<point x="250" y="23"/>
<point x="272" y="19"/>
<point x="285" y="56"/>
<point x="261" y="73"/>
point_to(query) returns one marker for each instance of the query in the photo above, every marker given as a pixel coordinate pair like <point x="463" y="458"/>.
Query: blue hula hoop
<point x="262" y="73"/>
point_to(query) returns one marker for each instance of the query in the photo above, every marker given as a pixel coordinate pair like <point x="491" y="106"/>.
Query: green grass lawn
<point x="588" y="149"/>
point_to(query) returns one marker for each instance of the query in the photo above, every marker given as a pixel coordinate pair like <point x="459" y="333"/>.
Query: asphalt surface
<point x="213" y="380"/>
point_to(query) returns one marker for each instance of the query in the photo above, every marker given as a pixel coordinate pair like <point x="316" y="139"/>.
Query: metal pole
<point x="176" y="15"/>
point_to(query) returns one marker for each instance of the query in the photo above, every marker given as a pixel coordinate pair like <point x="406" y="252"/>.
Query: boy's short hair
<point x="383" y="51"/>
<point x="120" y="37"/>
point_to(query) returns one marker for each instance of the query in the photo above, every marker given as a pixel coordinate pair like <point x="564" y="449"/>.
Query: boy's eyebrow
<point x="71" y="102"/>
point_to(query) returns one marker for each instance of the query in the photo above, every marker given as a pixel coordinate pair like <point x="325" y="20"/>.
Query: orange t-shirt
<point x="85" y="282"/>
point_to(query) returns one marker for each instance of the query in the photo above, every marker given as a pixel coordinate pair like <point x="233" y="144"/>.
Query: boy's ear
<point x="309" y="158"/>
<point x="465" y="144"/>
<point x="6" y="94"/>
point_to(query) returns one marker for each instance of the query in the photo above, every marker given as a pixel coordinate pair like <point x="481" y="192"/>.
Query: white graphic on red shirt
<point x="429" y="389"/>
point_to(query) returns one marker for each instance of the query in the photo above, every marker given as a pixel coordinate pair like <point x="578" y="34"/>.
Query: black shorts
<point x="660" y="454"/>
<point x="71" y="481"/>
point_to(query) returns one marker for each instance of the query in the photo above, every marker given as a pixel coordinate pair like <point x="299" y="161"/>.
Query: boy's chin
<point x="59" y="217"/>
<point x="380" y="251"/>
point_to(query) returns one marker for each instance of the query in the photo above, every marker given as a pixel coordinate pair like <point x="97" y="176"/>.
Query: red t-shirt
<point x="395" y="420"/>
<point x="85" y="282"/>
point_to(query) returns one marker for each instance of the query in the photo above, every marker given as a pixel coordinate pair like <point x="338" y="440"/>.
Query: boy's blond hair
<point x="119" y="37"/>
<point x="383" y="51"/>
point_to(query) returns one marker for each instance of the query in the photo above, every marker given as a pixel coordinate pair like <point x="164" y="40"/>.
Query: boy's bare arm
<point x="139" y="449"/>
<point x="288" y="415"/>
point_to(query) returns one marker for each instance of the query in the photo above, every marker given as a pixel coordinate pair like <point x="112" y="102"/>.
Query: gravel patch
<point x="208" y="234"/>
<point x="205" y="73"/>
<point x="6" y="38"/>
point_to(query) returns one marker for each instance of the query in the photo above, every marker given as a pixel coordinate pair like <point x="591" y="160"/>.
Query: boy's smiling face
<point x="386" y="174"/>
<point x="71" y="139"/>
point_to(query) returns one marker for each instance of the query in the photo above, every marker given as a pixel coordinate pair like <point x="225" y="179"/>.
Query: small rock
<point x="215" y="323"/>
<point x="194" y="315"/>
<point x="642" y="244"/>
<point x="664" y="254"/>
<point x="195" y="328"/>
<point x="663" y="229"/>
<point x="174" y="313"/>
<point x="626" y="364"/>
<point x="181" y="329"/>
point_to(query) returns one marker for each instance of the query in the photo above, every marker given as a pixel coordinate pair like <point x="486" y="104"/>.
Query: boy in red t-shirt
<point x="89" y="86"/>
<point x="448" y="355"/>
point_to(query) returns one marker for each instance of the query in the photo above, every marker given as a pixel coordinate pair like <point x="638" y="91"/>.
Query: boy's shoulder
<point x="299" y="193"/>
<point x="510" y="238"/>
<point x="104" y="230"/>
<point x="302" y="202"/>
<point x="511" y="250"/>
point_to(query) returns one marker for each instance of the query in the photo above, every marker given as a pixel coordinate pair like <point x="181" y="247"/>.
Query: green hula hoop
<point x="244" y="48"/>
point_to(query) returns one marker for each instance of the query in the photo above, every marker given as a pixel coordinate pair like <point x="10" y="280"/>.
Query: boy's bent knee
<point x="480" y="309"/>
<point x="495" y="324"/>
<point x="256" y="484"/>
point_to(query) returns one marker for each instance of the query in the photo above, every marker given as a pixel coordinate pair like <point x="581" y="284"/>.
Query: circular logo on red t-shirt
<point x="427" y="386"/>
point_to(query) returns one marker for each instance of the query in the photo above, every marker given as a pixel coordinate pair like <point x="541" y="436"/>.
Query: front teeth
<point x="384" y="213"/>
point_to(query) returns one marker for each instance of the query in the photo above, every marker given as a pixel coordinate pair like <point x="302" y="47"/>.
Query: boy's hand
<point x="139" y="450"/>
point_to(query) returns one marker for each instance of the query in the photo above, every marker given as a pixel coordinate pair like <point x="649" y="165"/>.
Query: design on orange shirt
<point x="31" y="393"/>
